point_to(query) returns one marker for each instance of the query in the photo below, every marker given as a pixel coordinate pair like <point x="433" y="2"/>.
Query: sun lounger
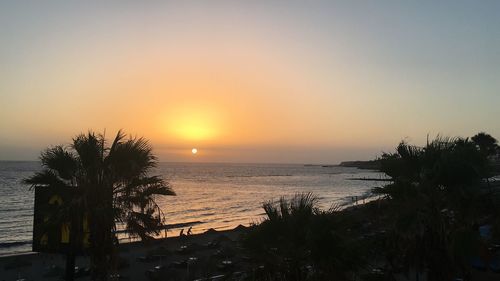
<point x="225" y="265"/>
<point x="178" y="264"/>
<point x="156" y="272"/>
<point x="117" y="277"/>
<point x="81" y="271"/>
<point x="212" y="245"/>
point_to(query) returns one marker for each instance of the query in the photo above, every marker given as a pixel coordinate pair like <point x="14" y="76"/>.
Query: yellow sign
<point x="52" y="227"/>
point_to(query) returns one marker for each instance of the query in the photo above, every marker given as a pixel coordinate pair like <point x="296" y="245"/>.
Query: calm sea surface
<point x="219" y="196"/>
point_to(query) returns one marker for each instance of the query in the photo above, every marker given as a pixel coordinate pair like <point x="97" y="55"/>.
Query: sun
<point x="194" y="151"/>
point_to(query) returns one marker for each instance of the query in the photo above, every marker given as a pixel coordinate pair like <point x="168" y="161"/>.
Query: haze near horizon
<point x="281" y="82"/>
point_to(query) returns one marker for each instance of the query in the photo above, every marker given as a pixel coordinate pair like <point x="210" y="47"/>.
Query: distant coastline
<point x="366" y="165"/>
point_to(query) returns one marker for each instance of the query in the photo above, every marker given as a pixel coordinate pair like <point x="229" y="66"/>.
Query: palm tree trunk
<point x="75" y="239"/>
<point x="101" y="245"/>
<point x="70" y="266"/>
<point x="98" y="255"/>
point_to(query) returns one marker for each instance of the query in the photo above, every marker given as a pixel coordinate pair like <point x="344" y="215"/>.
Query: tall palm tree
<point x="114" y="188"/>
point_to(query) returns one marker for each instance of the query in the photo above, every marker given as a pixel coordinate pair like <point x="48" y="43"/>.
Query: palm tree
<point x="436" y="197"/>
<point x="486" y="143"/>
<point x="308" y="243"/>
<point x="114" y="187"/>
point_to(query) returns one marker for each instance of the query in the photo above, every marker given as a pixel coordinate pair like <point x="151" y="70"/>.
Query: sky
<point x="248" y="81"/>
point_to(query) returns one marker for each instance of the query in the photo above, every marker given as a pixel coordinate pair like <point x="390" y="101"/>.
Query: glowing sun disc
<point x="194" y="150"/>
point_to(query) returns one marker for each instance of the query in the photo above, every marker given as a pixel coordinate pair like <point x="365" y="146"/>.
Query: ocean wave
<point x="14" y="244"/>
<point x="260" y="176"/>
<point x="16" y="222"/>
<point x="170" y="226"/>
<point x="20" y="209"/>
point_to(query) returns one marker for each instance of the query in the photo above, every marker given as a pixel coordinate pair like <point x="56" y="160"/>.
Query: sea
<point x="209" y="195"/>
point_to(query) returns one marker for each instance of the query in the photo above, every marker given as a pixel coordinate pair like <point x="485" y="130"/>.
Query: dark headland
<point x="366" y="165"/>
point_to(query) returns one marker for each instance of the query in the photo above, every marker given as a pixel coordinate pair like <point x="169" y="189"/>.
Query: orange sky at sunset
<point x="245" y="82"/>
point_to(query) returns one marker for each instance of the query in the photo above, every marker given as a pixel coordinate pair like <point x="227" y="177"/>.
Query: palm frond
<point x="90" y="151"/>
<point x="118" y="138"/>
<point x="60" y="160"/>
<point x="131" y="159"/>
<point x="45" y="178"/>
<point x="303" y="203"/>
<point x="271" y="211"/>
<point x="143" y="224"/>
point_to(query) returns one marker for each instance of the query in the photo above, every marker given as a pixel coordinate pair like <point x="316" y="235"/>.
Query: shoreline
<point x="350" y="202"/>
<point x="205" y="194"/>
<point x="127" y="241"/>
<point x="137" y="259"/>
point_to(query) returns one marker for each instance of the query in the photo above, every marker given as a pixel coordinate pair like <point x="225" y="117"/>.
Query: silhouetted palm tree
<point x="114" y="188"/>
<point x="307" y="243"/>
<point x="486" y="143"/>
<point x="437" y="198"/>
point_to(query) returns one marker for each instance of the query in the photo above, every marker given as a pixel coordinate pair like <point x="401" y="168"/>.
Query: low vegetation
<point x="425" y="222"/>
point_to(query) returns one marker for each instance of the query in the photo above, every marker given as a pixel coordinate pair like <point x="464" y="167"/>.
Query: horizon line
<point x="224" y="162"/>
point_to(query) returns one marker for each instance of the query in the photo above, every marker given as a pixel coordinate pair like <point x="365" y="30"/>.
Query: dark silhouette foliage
<point x="438" y="197"/>
<point x="115" y="187"/>
<point x="487" y="144"/>
<point x="425" y="220"/>
<point x="297" y="241"/>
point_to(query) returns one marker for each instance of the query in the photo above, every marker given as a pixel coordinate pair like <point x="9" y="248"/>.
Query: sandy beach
<point x="211" y="255"/>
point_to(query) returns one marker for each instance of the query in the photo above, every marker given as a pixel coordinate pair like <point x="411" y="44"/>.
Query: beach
<point x="192" y="257"/>
<point x="213" y="255"/>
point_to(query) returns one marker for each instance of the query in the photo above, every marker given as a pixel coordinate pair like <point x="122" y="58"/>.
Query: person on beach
<point x="189" y="230"/>
<point x="182" y="233"/>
